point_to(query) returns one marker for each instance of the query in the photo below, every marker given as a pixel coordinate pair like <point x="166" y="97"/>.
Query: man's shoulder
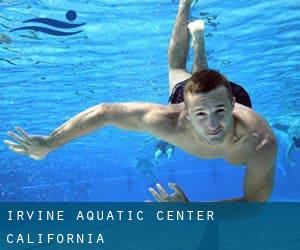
<point x="249" y="119"/>
<point x="255" y="133"/>
<point x="165" y="122"/>
<point x="252" y="124"/>
<point x="167" y="115"/>
<point x="170" y="111"/>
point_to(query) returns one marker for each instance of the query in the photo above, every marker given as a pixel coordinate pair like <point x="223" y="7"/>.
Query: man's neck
<point x="231" y="134"/>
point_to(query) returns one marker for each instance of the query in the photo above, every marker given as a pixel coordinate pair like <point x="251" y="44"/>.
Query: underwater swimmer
<point x="208" y="124"/>
<point x="163" y="149"/>
<point x="177" y="68"/>
<point x="293" y="131"/>
<point x="145" y="169"/>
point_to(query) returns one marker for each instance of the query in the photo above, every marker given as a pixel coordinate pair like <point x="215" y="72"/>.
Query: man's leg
<point x="196" y="29"/>
<point x="179" y="46"/>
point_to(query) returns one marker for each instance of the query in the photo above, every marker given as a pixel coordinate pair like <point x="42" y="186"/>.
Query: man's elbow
<point x="104" y="111"/>
<point x="94" y="117"/>
<point x="267" y="144"/>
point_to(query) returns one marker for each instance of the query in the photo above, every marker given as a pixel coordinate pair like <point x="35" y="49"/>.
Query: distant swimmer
<point x="283" y="142"/>
<point x="145" y="161"/>
<point x="208" y="117"/>
<point x="163" y="148"/>
<point x="145" y="169"/>
<point x="293" y="131"/>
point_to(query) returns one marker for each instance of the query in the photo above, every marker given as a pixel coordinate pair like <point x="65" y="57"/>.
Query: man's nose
<point x="213" y="123"/>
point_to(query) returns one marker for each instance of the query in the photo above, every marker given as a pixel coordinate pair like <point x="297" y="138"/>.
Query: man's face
<point x="210" y="114"/>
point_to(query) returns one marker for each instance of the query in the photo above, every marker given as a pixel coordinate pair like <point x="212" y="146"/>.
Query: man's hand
<point x="33" y="146"/>
<point x="163" y="196"/>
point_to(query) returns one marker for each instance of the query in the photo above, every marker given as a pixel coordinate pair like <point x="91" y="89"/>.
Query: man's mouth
<point x="215" y="131"/>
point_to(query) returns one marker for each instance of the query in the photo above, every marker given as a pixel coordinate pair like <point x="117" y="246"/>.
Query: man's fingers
<point x="162" y="192"/>
<point x="18" y="150"/>
<point x="11" y="144"/>
<point x="16" y="137"/>
<point x="177" y="189"/>
<point x="15" y="147"/>
<point x="155" y="194"/>
<point x="23" y="133"/>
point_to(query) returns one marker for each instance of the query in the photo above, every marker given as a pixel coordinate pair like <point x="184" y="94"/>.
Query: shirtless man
<point x="206" y="119"/>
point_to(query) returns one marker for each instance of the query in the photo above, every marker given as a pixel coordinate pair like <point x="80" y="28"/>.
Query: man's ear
<point x="233" y="101"/>
<point x="187" y="116"/>
<point x="186" y="113"/>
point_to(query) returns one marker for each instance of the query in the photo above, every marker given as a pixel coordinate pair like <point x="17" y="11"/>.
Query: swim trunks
<point x="240" y="94"/>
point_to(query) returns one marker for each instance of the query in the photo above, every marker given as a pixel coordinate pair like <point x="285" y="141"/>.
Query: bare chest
<point x="235" y="153"/>
<point x="238" y="153"/>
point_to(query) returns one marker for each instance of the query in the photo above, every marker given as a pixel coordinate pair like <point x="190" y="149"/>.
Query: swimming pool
<point x="121" y="55"/>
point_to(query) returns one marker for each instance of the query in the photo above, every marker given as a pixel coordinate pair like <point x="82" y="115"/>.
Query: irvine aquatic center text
<point x="109" y="215"/>
<point x="74" y="235"/>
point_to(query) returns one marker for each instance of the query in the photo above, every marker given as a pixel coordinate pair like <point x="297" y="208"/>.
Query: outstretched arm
<point x="258" y="180"/>
<point x="145" y="117"/>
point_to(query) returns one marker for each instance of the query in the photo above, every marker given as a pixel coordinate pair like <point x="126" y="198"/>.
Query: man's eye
<point x="220" y="111"/>
<point x="201" y="114"/>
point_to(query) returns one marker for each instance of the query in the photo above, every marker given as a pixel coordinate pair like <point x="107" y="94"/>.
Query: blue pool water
<point x="121" y="55"/>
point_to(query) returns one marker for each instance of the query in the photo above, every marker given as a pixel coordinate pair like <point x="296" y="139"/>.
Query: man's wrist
<point x="50" y="143"/>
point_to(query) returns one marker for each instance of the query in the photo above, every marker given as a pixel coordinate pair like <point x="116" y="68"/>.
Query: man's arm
<point x="259" y="177"/>
<point x="258" y="180"/>
<point x="147" y="117"/>
<point x="143" y="117"/>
